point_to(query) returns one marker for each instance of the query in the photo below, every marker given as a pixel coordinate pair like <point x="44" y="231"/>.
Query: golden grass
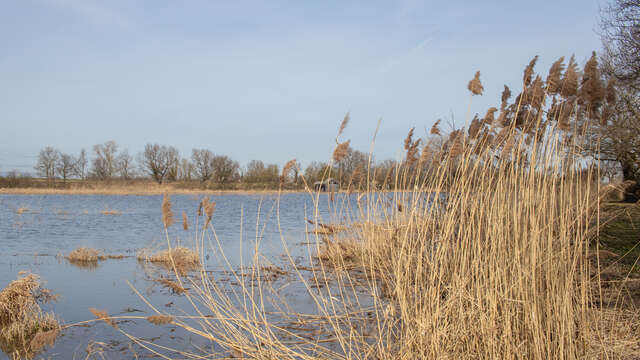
<point x="83" y="254"/>
<point x="160" y="319"/>
<point x="24" y="328"/>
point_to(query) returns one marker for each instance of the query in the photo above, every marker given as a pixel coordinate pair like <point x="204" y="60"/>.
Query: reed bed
<point x="482" y="251"/>
<point x="24" y="328"/>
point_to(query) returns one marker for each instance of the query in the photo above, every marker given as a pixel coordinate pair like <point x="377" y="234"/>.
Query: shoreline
<point x="137" y="191"/>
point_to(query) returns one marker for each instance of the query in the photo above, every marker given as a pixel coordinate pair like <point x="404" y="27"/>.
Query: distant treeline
<point x="203" y="169"/>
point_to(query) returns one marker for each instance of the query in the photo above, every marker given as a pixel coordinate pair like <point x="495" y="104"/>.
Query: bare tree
<point x="46" y="165"/>
<point x="80" y="167"/>
<point x="225" y="170"/>
<point x="186" y="170"/>
<point x="65" y="166"/>
<point x="201" y="159"/>
<point x="620" y="32"/>
<point x="257" y="172"/>
<point x="159" y="160"/>
<point x="124" y="164"/>
<point x="104" y="165"/>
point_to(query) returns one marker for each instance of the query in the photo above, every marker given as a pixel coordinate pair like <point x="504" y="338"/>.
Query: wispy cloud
<point x="404" y="56"/>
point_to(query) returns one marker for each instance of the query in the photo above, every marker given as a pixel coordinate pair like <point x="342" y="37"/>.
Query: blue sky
<point x="267" y="80"/>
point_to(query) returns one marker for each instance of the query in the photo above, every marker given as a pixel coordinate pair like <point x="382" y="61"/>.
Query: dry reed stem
<point x="110" y="212"/>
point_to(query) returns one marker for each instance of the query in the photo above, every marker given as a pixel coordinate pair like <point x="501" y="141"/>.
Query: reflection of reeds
<point x="110" y="212"/>
<point x="21" y="210"/>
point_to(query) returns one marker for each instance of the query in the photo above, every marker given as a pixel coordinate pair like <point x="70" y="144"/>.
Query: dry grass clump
<point x="83" y="254"/>
<point x="160" y="319"/>
<point x="24" y="328"/>
<point x="181" y="258"/>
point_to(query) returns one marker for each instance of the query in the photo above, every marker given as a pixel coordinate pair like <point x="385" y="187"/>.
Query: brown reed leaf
<point x="160" y="319"/>
<point x="475" y="86"/>
<point x="344" y="123"/>
<point x="553" y="79"/>
<point x="185" y="221"/>
<point x="435" y="130"/>
<point x="528" y="71"/>
<point x="104" y="316"/>
<point x="167" y="214"/>
<point x="341" y="151"/>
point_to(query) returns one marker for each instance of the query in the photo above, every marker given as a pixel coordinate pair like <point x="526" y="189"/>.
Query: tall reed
<point x="481" y="251"/>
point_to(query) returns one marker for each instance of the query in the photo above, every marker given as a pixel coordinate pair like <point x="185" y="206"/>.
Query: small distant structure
<point x="330" y="185"/>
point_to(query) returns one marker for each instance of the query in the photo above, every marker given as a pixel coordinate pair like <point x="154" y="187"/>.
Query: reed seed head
<point x="435" y="130"/>
<point x="570" y="79"/>
<point x="185" y="221"/>
<point x="553" y="79"/>
<point x="344" y="123"/>
<point x="475" y="86"/>
<point x="167" y="214"/>
<point x="528" y="71"/>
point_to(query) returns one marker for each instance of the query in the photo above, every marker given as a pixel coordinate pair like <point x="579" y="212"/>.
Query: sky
<point x="266" y="80"/>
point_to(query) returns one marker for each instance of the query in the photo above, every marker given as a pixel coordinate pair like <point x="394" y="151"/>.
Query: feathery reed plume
<point x="341" y="151"/>
<point x="506" y="94"/>
<point x="185" y="221"/>
<point x="489" y="117"/>
<point x="427" y="152"/>
<point x="570" y="79"/>
<point x="553" y="79"/>
<point x="167" y="214"/>
<point x="537" y="93"/>
<point x="409" y="139"/>
<point x="291" y="164"/>
<point x="592" y="90"/>
<point x="160" y="319"/>
<point x="475" y="127"/>
<point x="455" y="138"/>
<point x="528" y="71"/>
<point x="435" y="130"/>
<point x="104" y="316"/>
<point x="344" y="124"/>
<point x="475" y="86"/>
<point x="208" y="207"/>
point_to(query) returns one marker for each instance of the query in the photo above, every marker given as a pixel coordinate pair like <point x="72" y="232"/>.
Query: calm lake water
<point x="56" y="224"/>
